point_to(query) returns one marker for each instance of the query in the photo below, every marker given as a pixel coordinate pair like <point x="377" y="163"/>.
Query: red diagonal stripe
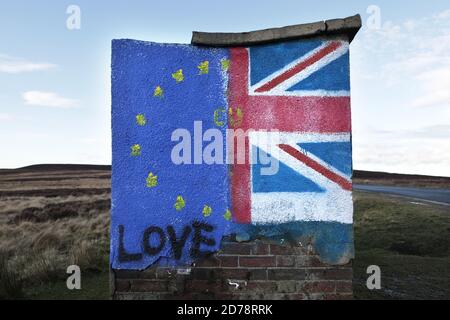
<point x="299" y="67"/>
<point x="346" y="185"/>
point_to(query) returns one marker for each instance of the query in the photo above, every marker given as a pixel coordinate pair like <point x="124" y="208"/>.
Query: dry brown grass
<point x="41" y="236"/>
<point x="42" y="251"/>
<point x="10" y="282"/>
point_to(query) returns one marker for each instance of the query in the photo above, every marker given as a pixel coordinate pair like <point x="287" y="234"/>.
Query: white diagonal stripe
<point x="281" y="89"/>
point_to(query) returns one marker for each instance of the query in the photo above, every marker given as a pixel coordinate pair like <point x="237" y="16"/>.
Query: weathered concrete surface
<point x="289" y="234"/>
<point x="348" y="26"/>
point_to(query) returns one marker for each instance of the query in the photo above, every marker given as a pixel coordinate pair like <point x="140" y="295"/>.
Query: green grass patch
<point x="409" y="242"/>
<point x="94" y="286"/>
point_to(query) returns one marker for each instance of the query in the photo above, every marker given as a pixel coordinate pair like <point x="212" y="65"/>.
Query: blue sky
<point x="55" y="87"/>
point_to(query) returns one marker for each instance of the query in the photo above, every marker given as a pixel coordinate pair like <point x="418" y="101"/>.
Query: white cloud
<point x="400" y="86"/>
<point x="438" y="131"/>
<point x="5" y="117"/>
<point x="10" y="64"/>
<point x="442" y="15"/>
<point x="423" y="150"/>
<point x="423" y="157"/>
<point x="48" y="99"/>
<point x="415" y="49"/>
<point x="436" y="88"/>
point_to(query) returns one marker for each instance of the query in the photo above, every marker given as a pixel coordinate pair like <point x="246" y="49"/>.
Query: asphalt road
<point x="440" y="196"/>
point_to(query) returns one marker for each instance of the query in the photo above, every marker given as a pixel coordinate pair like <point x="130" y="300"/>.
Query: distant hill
<point x="385" y="178"/>
<point x="359" y="176"/>
<point x="60" y="167"/>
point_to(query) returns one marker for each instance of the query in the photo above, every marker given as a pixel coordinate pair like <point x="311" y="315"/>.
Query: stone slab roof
<point x="348" y="26"/>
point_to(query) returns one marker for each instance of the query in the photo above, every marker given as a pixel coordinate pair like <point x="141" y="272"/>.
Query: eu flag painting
<point x="162" y="210"/>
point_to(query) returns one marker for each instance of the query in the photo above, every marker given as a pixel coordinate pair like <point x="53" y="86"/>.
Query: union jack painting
<point x="301" y="90"/>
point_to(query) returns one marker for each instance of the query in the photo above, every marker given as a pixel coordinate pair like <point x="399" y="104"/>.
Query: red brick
<point x="339" y="274"/>
<point x="260" y="286"/>
<point x="228" y="261"/>
<point x="276" y="296"/>
<point x="260" y="248"/>
<point x="285" y="261"/>
<point x="122" y="285"/>
<point x="258" y="274"/>
<point x="244" y="274"/>
<point x="236" y="248"/>
<point x="238" y="274"/>
<point x="330" y="274"/>
<point x="249" y="296"/>
<point x="305" y="261"/>
<point x="286" y="274"/>
<point x="344" y="287"/>
<point x="317" y="286"/>
<point x="257" y="261"/>
<point x="314" y="261"/>
<point x="277" y="249"/>
<point x="208" y="262"/>
<point x="286" y="286"/>
<point x="301" y="261"/>
<point x="148" y="285"/>
<point x="197" y="286"/>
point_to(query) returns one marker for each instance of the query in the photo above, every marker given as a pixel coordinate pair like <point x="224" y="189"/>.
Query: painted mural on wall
<point x="213" y="141"/>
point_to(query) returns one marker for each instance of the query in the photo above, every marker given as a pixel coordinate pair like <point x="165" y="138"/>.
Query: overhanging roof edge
<point x="347" y="26"/>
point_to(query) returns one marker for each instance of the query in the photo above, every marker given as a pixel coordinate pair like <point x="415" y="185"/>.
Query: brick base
<point x="254" y="270"/>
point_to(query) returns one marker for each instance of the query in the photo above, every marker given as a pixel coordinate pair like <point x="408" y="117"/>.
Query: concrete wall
<point x="193" y="227"/>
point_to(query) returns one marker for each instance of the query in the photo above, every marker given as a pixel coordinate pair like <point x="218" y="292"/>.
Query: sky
<point x="55" y="81"/>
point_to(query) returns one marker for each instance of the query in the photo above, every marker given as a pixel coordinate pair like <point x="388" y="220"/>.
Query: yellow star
<point x="203" y="67"/>
<point x="227" y="215"/>
<point x="225" y="63"/>
<point x="178" y="76"/>
<point x="136" y="150"/>
<point x="179" y="203"/>
<point x="152" y="180"/>
<point x="158" y="92"/>
<point x="206" y="211"/>
<point x="140" y="119"/>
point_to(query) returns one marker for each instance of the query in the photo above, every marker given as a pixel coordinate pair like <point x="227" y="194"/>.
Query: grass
<point x="10" y="283"/>
<point x="42" y="247"/>
<point x="94" y="286"/>
<point x="40" y="236"/>
<point x="409" y="242"/>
